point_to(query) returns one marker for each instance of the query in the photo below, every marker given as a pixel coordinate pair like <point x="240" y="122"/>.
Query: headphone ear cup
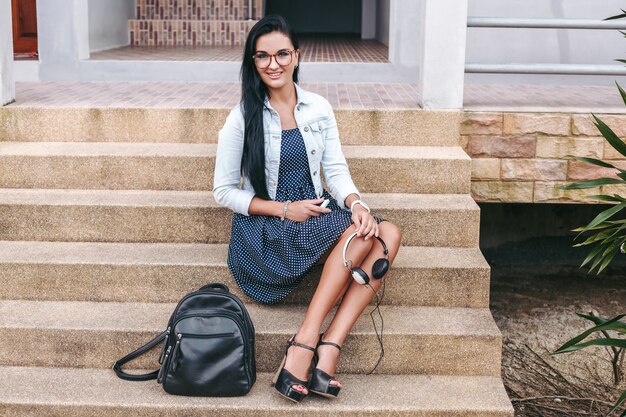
<point x="380" y="268"/>
<point x="360" y="276"/>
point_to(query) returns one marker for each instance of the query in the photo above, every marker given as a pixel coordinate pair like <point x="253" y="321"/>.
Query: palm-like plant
<point x="617" y="345"/>
<point x="607" y="234"/>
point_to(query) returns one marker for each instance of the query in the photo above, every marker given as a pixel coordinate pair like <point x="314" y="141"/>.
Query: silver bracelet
<point x="285" y="208"/>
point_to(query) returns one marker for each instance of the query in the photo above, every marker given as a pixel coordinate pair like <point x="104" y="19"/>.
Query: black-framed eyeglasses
<point x="283" y="58"/>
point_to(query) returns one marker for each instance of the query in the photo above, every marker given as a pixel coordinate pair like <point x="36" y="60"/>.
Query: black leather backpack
<point x="208" y="349"/>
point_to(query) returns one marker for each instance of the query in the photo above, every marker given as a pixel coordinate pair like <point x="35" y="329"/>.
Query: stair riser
<point x="168" y="283"/>
<point x="420" y="227"/>
<point x="108" y="172"/>
<point x="199" y="10"/>
<point x="427" y="176"/>
<point x="356" y="127"/>
<point x="404" y="353"/>
<point x="61" y="392"/>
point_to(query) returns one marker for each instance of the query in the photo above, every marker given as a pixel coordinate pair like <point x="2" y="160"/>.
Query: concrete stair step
<point x="401" y="127"/>
<point x="417" y="340"/>
<point x="61" y="392"/>
<point x="198" y="10"/>
<point x="194" y="216"/>
<point x="177" y="166"/>
<point x="164" y="272"/>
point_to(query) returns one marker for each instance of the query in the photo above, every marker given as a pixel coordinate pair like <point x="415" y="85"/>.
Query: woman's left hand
<point x="364" y="222"/>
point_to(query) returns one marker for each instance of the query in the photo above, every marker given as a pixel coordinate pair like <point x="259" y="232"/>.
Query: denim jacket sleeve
<point x="227" y="180"/>
<point x="334" y="164"/>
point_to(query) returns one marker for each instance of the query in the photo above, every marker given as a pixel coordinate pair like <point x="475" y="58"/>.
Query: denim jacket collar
<point x="302" y="97"/>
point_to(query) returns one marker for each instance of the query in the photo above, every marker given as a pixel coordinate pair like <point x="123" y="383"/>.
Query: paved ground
<point x="199" y="94"/>
<point x="526" y="98"/>
<point x="313" y="49"/>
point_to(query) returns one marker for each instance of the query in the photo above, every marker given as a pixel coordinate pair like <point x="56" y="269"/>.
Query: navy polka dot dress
<point x="269" y="257"/>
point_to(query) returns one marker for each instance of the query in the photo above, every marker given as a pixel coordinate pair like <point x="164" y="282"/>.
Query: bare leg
<point x="356" y="300"/>
<point x="333" y="283"/>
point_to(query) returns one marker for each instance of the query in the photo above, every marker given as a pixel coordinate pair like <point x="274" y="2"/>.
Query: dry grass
<point x="537" y="388"/>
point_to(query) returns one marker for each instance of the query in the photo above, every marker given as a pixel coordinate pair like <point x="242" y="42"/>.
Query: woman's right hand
<point x="302" y="210"/>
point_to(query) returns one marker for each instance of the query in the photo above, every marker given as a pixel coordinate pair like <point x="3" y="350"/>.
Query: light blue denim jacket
<point x="316" y="121"/>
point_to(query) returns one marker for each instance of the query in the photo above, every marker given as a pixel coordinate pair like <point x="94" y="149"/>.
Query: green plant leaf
<point x="597" y="320"/>
<point x="610" y="232"/>
<point x="607" y="341"/>
<point x="607" y="260"/>
<point x="604" y="197"/>
<point x="619" y="402"/>
<point x="606" y="214"/>
<point x="619" y="16"/>
<point x="605" y="326"/>
<point x="591" y="255"/>
<point x="598" y="182"/>
<point x="594" y="161"/>
<point x="619" y="87"/>
<point x="584" y="229"/>
<point x="610" y="136"/>
<point x="606" y="248"/>
<point x="599" y="236"/>
<point x="618" y="326"/>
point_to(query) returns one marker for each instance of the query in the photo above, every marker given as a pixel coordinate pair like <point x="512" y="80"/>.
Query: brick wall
<point x="193" y="22"/>
<point x="526" y="157"/>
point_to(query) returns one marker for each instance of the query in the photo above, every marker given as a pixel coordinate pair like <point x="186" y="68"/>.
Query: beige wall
<point x="525" y="157"/>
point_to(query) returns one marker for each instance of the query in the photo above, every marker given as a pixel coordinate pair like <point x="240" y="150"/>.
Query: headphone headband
<point x="347" y="262"/>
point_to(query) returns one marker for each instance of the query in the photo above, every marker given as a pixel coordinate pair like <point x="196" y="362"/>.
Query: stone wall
<point x="526" y="157"/>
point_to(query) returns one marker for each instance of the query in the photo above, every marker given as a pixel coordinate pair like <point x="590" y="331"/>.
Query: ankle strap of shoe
<point x="294" y="343"/>
<point x="330" y="344"/>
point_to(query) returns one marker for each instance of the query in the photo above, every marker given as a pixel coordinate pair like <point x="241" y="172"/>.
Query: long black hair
<point x="253" y="93"/>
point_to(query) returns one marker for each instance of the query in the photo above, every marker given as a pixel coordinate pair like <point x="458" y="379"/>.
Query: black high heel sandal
<point x="284" y="380"/>
<point x="320" y="381"/>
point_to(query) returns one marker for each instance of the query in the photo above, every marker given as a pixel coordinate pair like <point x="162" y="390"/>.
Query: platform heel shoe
<point x="320" y="381"/>
<point x="284" y="381"/>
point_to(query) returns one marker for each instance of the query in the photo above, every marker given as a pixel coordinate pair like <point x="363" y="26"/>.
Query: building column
<point x="368" y="19"/>
<point x="442" y="62"/>
<point x="63" y="35"/>
<point x="7" y="82"/>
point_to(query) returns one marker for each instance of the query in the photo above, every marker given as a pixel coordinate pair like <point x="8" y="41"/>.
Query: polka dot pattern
<point x="269" y="257"/>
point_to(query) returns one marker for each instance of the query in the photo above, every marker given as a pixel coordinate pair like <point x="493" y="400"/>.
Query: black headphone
<point x="379" y="269"/>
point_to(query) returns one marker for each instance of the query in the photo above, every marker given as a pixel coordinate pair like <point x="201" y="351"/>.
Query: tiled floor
<point x="197" y="94"/>
<point x="545" y="98"/>
<point x="313" y="49"/>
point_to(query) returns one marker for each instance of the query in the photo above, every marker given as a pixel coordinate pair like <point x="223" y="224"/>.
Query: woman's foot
<point x="323" y="381"/>
<point x="299" y="360"/>
<point x="293" y="376"/>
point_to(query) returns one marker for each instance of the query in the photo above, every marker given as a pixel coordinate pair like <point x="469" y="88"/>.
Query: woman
<point x="267" y="171"/>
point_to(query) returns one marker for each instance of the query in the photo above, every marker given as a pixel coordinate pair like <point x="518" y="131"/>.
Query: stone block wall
<point x="526" y="157"/>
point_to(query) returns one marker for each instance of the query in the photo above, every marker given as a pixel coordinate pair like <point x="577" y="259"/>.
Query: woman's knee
<point x="358" y="247"/>
<point x="391" y="234"/>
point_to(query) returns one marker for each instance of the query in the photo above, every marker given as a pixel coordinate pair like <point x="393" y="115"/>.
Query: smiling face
<point x="276" y="76"/>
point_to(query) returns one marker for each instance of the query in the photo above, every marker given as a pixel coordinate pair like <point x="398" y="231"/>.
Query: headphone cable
<point x="382" y="324"/>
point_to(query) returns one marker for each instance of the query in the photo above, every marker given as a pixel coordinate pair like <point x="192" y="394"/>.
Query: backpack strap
<point x="117" y="366"/>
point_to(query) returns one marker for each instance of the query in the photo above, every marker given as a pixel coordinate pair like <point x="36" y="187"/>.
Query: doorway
<point x="24" y="28"/>
<point x="320" y="17"/>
